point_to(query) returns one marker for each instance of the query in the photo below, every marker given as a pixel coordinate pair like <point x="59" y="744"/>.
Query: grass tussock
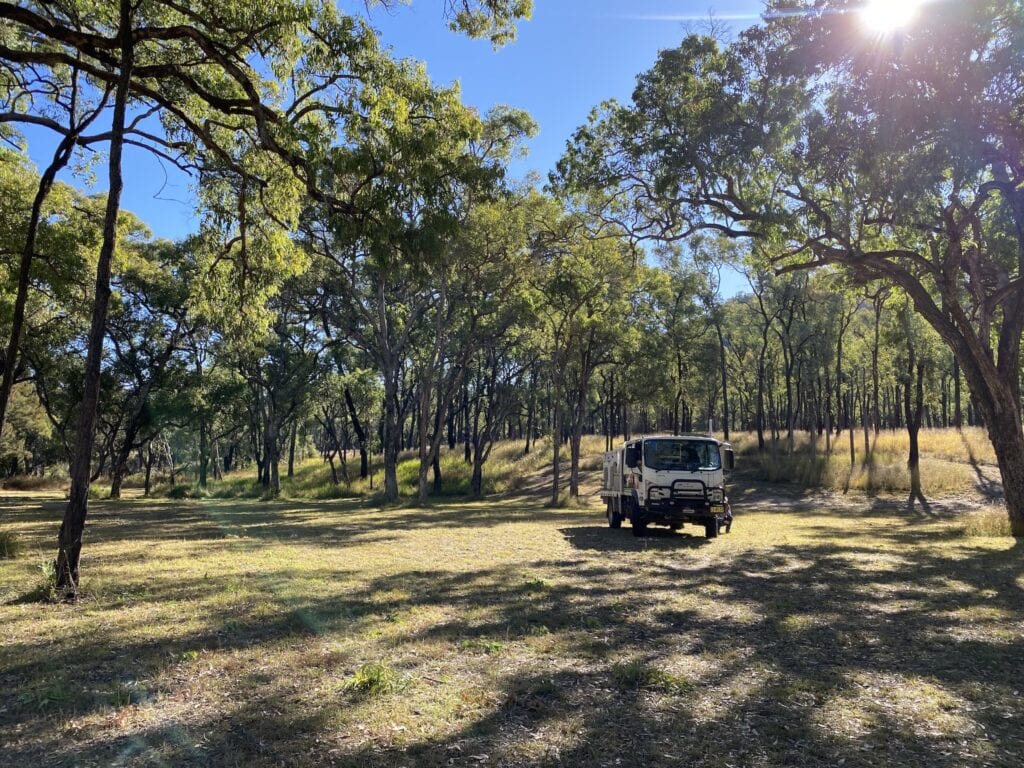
<point x="990" y="522"/>
<point x="10" y="545"/>
<point x="373" y="679"/>
<point x="639" y="674"/>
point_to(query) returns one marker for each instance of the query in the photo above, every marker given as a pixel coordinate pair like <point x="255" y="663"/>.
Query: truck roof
<point x="684" y="436"/>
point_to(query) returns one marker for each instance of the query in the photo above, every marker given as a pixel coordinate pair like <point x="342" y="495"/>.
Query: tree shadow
<point x="992" y="490"/>
<point x="598" y="538"/>
<point x="855" y="649"/>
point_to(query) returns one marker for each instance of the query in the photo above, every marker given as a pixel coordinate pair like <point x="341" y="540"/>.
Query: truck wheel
<point x="614" y="518"/>
<point x="639" y="528"/>
<point x="711" y="529"/>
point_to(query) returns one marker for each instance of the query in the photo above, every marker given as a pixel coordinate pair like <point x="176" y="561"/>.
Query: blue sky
<point x="572" y="55"/>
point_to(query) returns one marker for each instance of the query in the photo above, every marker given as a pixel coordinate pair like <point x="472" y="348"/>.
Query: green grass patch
<point x="374" y="679"/>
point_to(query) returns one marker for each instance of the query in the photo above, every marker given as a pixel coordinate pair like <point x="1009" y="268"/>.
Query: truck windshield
<point x="689" y="455"/>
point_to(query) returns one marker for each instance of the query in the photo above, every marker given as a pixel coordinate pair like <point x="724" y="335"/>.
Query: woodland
<point x="369" y="280"/>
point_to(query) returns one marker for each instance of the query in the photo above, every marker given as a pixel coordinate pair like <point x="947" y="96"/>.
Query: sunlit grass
<point x="309" y="631"/>
<point x="950" y="461"/>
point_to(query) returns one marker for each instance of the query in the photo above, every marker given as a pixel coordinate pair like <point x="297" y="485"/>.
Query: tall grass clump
<point x="10" y="545"/>
<point x="989" y="522"/>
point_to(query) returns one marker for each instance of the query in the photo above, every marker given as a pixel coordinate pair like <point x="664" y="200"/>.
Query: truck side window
<point x="633" y="455"/>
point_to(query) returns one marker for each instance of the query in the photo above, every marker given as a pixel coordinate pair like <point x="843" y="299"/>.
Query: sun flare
<point x="885" y="16"/>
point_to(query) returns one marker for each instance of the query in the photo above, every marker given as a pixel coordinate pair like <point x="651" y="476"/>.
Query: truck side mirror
<point x="632" y="456"/>
<point x="728" y="459"/>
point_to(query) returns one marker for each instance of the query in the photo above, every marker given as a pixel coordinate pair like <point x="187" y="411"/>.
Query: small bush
<point x="184" y="491"/>
<point x="179" y="492"/>
<point x="989" y="522"/>
<point x="48" y="482"/>
<point x="10" y="545"/>
<point x="48" y="589"/>
<point x="374" y="679"/>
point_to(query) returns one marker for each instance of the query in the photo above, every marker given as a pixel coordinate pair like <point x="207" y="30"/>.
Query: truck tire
<point x="639" y="527"/>
<point x="711" y="529"/>
<point x="614" y="518"/>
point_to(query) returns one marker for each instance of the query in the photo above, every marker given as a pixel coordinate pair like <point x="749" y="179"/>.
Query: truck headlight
<point x="717" y="495"/>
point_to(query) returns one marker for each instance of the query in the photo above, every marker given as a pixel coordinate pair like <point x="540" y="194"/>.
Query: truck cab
<point x="669" y="480"/>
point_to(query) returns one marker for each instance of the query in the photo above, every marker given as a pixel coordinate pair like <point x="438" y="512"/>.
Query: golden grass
<point x="952" y="462"/>
<point x="501" y="633"/>
<point x="990" y="521"/>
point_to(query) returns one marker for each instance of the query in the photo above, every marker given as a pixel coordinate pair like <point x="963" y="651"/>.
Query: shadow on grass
<point x="990" y="489"/>
<point x="863" y="650"/>
<point x="600" y="538"/>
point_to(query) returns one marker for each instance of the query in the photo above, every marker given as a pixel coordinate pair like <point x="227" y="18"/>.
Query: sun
<point x="884" y="16"/>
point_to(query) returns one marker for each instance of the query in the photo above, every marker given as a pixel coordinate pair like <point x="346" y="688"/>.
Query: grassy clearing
<point x="227" y="632"/>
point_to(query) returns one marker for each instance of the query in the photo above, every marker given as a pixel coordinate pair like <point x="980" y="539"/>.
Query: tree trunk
<point x="149" y="469"/>
<point x="291" y="448"/>
<point x="914" y="411"/>
<point x="1005" y="433"/>
<point x="556" y="431"/>
<point x="357" y="427"/>
<point x="574" y="460"/>
<point x="423" y="438"/>
<point x="725" y="382"/>
<point x="958" y="416"/>
<point x="70" y="536"/>
<point x="204" y="450"/>
<point x="531" y="404"/>
<point x="438" y="479"/>
<point x="392" y="437"/>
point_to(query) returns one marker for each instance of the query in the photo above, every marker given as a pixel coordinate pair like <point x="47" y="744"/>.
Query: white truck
<point x="669" y="480"/>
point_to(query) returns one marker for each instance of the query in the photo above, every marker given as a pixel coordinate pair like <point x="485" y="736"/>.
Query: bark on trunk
<point x="149" y="469"/>
<point x="291" y="448"/>
<point x="556" y="449"/>
<point x="357" y="427"/>
<point x="392" y="438"/>
<point x="70" y="537"/>
<point x="914" y="411"/>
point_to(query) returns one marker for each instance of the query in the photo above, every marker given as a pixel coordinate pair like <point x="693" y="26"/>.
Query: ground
<point x="824" y="630"/>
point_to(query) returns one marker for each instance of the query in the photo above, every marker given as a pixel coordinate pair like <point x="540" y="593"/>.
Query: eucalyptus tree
<point x="585" y="284"/>
<point x="282" y="77"/>
<point x="398" y="284"/>
<point x="755" y="140"/>
<point x="145" y="331"/>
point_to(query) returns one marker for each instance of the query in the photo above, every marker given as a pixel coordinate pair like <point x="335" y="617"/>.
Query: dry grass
<point x="504" y="634"/>
<point x="952" y="462"/>
<point x="990" y="521"/>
